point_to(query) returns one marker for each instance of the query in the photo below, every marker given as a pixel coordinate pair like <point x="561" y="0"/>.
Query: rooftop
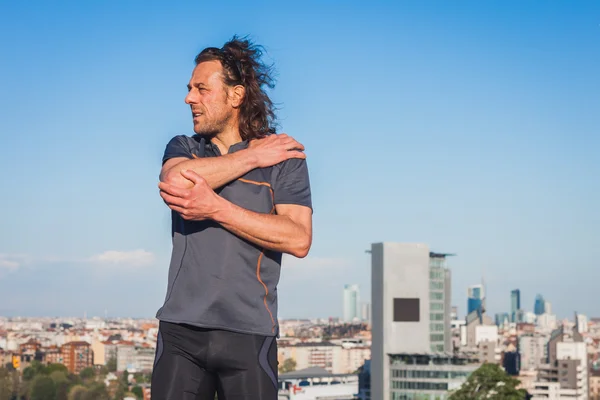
<point x="313" y="344"/>
<point x="311" y="372"/>
<point x="440" y="255"/>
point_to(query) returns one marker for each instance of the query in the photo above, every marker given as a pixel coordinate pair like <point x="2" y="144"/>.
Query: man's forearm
<point x="273" y="232"/>
<point x="217" y="171"/>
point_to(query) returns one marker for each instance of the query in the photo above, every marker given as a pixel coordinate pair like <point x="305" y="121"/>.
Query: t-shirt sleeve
<point x="177" y="147"/>
<point x="292" y="185"/>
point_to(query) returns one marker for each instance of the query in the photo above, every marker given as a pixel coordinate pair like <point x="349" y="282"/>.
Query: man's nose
<point x="190" y="98"/>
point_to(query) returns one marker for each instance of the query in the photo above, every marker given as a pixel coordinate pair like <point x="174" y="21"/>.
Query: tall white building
<point x="352" y="309"/>
<point x="366" y="312"/>
<point x="565" y="375"/>
<point x="548" y="307"/>
<point x="582" y="323"/>
<point x="547" y="322"/>
<point x="529" y="317"/>
<point x="410" y="306"/>
<point x="533" y="349"/>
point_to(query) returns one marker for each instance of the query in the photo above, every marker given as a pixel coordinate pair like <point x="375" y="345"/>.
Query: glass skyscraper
<point x="351" y="303"/>
<point x="540" y="305"/>
<point x="439" y="303"/>
<point x="515" y="304"/>
<point x="475" y="297"/>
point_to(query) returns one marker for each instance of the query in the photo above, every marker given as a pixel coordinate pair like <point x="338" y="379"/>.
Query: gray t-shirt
<point x="217" y="279"/>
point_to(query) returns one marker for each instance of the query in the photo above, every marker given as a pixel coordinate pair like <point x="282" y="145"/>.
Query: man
<point x="240" y="197"/>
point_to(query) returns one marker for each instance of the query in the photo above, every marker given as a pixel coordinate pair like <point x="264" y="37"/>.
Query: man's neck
<point x="227" y="138"/>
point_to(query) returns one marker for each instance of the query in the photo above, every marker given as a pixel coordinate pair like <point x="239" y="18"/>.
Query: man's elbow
<point x="173" y="177"/>
<point x="301" y="246"/>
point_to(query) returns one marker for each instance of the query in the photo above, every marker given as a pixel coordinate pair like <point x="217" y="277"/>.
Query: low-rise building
<point x="314" y="354"/>
<point x="77" y="356"/>
<point x="416" y="376"/>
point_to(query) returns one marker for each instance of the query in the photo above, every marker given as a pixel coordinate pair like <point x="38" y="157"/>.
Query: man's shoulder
<point x="290" y="164"/>
<point x="191" y="140"/>
<point x="194" y="145"/>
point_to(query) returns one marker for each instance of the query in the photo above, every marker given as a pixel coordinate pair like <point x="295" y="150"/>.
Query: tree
<point x="120" y="392"/>
<point x="77" y="392"/>
<point x="42" y="388"/>
<point x="138" y="391"/>
<point x="111" y="364"/>
<point x="56" y="367"/>
<point x="28" y="374"/>
<point x="97" y="391"/>
<point x="288" y="365"/>
<point x="489" y="382"/>
<point x="141" y="377"/>
<point x="6" y="385"/>
<point x="61" y="383"/>
<point x="87" y="373"/>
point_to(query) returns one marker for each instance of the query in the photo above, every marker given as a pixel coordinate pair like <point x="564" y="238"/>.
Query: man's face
<point x="208" y="100"/>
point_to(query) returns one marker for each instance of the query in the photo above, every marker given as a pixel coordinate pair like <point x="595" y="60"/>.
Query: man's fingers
<point x="192" y="176"/>
<point x="173" y="190"/>
<point x="178" y="209"/>
<point x="172" y="200"/>
<point x="295" y="154"/>
<point x="295" y="146"/>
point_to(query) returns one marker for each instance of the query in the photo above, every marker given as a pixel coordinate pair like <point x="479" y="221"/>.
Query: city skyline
<point x="474" y="127"/>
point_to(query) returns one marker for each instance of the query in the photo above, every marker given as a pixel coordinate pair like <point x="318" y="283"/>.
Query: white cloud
<point x="8" y="264"/>
<point x="12" y="261"/>
<point x="135" y="258"/>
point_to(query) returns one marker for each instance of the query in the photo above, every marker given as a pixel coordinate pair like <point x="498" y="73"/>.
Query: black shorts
<point x="194" y="363"/>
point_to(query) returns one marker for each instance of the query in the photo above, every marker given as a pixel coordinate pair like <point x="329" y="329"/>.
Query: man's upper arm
<point x="292" y="184"/>
<point x="292" y="194"/>
<point x="178" y="149"/>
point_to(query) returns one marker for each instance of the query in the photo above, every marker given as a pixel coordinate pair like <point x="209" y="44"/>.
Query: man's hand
<point x="197" y="203"/>
<point x="274" y="149"/>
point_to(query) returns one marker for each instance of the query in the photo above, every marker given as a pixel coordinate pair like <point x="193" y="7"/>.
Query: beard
<point x="212" y="127"/>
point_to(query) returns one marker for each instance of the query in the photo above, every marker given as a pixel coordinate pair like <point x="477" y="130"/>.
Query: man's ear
<point x="238" y="93"/>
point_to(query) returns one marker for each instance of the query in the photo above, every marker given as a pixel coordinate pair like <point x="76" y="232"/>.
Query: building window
<point x="436" y="296"/>
<point x="437" y="306"/>
<point x="406" y="310"/>
<point x="436" y="317"/>
<point x="436" y="274"/>
<point x="436" y="327"/>
<point x="436" y="285"/>
<point x="436" y="337"/>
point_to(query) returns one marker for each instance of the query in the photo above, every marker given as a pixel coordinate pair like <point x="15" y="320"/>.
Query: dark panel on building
<point x="406" y="310"/>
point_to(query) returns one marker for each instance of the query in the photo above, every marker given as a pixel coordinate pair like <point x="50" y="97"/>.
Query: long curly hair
<point x="241" y="63"/>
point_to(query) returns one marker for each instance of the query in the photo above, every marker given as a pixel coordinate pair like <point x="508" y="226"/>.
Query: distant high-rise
<point x="352" y="309"/>
<point x="366" y="312"/>
<point x="454" y="313"/>
<point x="548" y="307"/>
<point x="502" y="319"/>
<point x="515" y="304"/>
<point x="440" y="306"/>
<point x="581" y="322"/>
<point x="475" y="295"/>
<point x="410" y="307"/>
<point x="539" y="307"/>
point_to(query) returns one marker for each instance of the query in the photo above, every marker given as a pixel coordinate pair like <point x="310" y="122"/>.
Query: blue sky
<point x="471" y="126"/>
